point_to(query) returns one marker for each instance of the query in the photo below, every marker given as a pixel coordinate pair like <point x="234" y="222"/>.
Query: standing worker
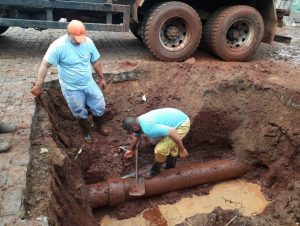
<point x="169" y="124"/>
<point x="74" y="53"/>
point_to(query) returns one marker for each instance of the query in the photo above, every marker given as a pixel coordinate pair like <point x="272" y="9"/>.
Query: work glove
<point x="36" y="90"/>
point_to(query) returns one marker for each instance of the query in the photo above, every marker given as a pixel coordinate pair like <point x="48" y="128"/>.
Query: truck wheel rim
<point x="240" y="35"/>
<point x="174" y="34"/>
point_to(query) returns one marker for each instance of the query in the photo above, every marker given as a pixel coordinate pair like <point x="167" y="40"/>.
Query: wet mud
<point x="231" y="194"/>
<point x="246" y="115"/>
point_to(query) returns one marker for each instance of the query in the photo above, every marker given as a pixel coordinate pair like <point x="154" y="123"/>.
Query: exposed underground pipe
<point x="116" y="190"/>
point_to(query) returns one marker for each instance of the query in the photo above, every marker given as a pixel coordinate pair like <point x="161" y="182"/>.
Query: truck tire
<point x="234" y="33"/>
<point x="172" y="31"/>
<point x="3" y="29"/>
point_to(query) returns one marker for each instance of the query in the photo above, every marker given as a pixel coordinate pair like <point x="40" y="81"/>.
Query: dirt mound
<point x="234" y="114"/>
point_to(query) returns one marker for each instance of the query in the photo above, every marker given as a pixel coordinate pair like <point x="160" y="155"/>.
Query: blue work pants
<point x="78" y="100"/>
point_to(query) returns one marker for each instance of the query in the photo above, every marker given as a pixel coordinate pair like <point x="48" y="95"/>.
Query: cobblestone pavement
<point x="21" y="51"/>
<point x="17" y="107"/>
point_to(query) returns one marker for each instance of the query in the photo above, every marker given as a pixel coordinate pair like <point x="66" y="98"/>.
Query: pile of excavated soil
<point x="246" y="112"/>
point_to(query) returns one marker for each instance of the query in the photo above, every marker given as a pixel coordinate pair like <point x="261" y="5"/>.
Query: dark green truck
<point x="171" y="30"/>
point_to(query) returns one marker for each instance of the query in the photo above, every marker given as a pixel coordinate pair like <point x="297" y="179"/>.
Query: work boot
<point x="171" y="162"/>
<point x="6" y="128"/>
<point x="99" y="124"/>
<point x="4" y="146"/>
<point x="154" y="170"/>
<point x="85" y="128"/>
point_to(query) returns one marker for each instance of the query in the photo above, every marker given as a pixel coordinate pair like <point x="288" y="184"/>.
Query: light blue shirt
<point x="157" y="123"/>
<point x="73" y="62"/>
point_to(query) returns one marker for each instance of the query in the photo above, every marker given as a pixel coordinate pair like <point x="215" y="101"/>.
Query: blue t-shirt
<point x="157" y="123"/>
<point x="73" y="61"/>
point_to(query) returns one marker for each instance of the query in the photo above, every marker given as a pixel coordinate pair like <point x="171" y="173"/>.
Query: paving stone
<point x="3" y="178"/>
<point x="8" y="119"/>
<point x="5" y="92"/>
<point x="3" y="99"/>
<point x="10" y="112"/>
<point x="25" y="123"/>
<point x="22" y="145"/>
<point x="9" y="221"/>
<point x="28" y="104"/>
<point x="1" y="196"/>
<point x="23" y="133"/>
<point x="17" y="103"/>
<point x="9" y="79"/>
<point x="8" y="137"/>
<point x="15" y="85"/>
<point x="11" y="202"/>
<point x="19" y="159"/>
<point x="4" y="160"/>
<point x="17" y="176"/>
<point x="16" y="221"/>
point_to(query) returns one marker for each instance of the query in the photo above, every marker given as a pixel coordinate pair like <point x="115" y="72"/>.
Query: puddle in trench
<point x="233" y="194"/>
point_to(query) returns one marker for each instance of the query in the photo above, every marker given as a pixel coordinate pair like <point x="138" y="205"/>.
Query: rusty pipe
<point x="116" y="190"/>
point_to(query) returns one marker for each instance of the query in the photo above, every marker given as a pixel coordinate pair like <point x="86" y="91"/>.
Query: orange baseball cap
<point x="77" y="29"/>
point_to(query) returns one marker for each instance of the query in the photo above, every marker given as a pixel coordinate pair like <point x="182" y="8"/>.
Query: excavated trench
<point x="253" y="123"/>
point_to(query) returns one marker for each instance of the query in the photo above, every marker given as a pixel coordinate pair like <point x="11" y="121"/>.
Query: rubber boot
<point x="154" y="170"/>
<point x="85" y="128"/>
<point x="4" y="146"/>
<point x="99" y="124"/>
<point x="6" y="128"/>
<point x="171" y="162"/>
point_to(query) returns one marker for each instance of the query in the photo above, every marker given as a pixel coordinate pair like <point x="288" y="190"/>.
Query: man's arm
<point x="176" y="138"/>
<point x="98" y="69"/>
<point x="132" y="146"/>
<point x="42" y="72"/>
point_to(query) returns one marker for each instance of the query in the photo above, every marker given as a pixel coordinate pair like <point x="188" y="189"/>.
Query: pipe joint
<point x="116" y="191"/>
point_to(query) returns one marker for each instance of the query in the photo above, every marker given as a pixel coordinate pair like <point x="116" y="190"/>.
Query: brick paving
<point x="17" y="108"/>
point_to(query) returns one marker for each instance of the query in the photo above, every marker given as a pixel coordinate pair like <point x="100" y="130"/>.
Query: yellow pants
<point x="167" y="146"/>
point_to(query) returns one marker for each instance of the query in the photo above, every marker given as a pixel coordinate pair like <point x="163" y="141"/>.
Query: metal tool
<point x="137" y="184"/>
<point x="123" y="148"/>
<point x="133" y="173"/>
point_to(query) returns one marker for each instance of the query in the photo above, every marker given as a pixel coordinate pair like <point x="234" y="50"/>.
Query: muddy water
<point x="233" y="194"/>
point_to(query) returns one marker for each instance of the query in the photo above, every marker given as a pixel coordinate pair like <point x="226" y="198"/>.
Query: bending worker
<point x="74" y="53"/>
<point x="169" y="124"/>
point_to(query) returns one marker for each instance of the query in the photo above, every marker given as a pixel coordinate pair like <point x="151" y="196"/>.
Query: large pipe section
<point x="116" y="190"/>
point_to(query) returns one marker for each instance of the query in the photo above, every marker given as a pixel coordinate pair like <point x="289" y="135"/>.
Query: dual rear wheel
<point x="172" y="31"/>
<point x="234" y="33"/>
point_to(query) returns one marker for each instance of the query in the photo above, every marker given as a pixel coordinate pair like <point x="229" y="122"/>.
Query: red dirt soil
<point x="245" y="110"/>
